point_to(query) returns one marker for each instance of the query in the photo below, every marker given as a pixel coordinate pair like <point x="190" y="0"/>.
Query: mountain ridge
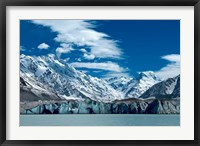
<point x="48" y="85"/>
<point x="65" y="79"/>
<point x="167" y="88"/>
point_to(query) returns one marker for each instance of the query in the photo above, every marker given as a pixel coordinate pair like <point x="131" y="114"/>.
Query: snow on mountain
<point x="63" y="79"/>
<point x="49" y="85"/>
<point x="48" y="77"/>
<point x="118" y="83"/>
<point x="169" y="88"/>
<point x="135" y="87"/>
<point x="32" y="90"/>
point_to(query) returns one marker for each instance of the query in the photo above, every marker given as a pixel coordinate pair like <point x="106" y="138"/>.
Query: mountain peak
<point x="148" y="74"/>
<point x="143" y="82"/>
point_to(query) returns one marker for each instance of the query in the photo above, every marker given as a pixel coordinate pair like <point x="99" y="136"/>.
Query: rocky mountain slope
<point x="133" y="88"/>
<point x="139" y="85"/>
<point x="169" y="88"/>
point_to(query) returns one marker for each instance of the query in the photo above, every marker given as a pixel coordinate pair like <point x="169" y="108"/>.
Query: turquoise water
<point x="100" y="120"/>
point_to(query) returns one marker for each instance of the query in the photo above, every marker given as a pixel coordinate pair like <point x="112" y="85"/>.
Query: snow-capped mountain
<point x="49" y="85"/>
<point x="169" y="88"/>
<point x="135" y="87"/>
<point x="52" y="75"/>
<point x="48" y="77"/>
<point x="118" y="83"/>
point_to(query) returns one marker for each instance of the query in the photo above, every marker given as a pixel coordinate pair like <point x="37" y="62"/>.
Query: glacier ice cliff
<point x="129" y="106"/>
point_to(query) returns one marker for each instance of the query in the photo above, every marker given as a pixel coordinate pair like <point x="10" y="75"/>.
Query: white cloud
<point x="172" y="69"/>
<point x="106" y="48"/>
<point x="172" y="57"/>
<point x="81" y="33"/>
<point x="108" y="66"/>
<point x="83" y="50"/>
<point x="22" y="48"/>
<point x="43" y="46"/>
<point x="88" y="56"/>
<point x="64" y="48"/>
<point x="78" y="59"/>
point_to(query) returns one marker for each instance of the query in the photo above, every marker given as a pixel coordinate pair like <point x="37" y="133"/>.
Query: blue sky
<point x="106" y="48"/>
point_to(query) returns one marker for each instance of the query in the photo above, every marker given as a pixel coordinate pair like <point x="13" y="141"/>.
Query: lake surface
<point x="100" y="120"/>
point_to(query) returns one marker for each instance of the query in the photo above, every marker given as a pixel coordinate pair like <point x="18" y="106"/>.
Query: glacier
<point x="131" y="106"/>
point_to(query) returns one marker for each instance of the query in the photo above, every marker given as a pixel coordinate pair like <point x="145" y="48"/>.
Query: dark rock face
<point x="169" y="88"/>
<point x="153" y="106"/>
<point x="163" y="107"/>
<point x="30" y="93"/>
<point x="176" y="92"/>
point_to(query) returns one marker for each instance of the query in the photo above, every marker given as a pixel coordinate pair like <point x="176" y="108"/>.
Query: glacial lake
<point x="100" y="120"/>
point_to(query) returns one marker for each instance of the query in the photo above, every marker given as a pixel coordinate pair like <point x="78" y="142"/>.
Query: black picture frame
<point x="5" y="3"/>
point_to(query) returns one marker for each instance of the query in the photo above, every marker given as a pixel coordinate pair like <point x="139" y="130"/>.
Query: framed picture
<point x="99" y="72"/>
